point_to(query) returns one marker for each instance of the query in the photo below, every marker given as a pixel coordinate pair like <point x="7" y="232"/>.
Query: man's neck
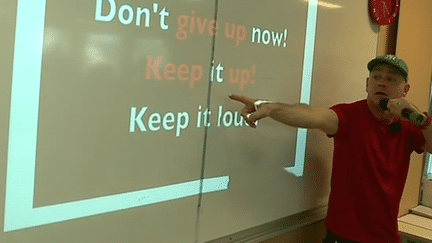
<point x="379" y="113"/>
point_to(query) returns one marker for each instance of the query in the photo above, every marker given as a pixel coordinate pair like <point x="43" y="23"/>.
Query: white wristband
<point x="260" y="102"/>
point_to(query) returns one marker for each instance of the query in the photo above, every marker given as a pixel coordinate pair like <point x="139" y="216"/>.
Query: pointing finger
<point x="242" y="99"/>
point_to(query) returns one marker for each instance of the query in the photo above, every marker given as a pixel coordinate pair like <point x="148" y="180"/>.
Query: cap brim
<point x="376" y="62"/>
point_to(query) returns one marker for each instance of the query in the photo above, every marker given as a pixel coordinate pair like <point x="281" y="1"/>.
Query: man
<point x="373" y="142"/>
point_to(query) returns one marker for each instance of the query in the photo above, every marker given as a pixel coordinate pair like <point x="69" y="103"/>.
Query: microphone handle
<point x="414" y="117"/>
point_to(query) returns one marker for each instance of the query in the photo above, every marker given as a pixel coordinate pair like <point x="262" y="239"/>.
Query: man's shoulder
<point x="361" y="104"/>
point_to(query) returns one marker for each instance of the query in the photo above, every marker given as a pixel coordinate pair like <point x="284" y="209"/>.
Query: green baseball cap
<point x="390" y="61"/>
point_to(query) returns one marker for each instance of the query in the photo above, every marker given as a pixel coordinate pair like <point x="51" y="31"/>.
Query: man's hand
<point x="396" y="106"/>
<point x="248" y="112"/>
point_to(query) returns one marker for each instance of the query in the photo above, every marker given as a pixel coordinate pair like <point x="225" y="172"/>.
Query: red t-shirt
<point x="370" y="166"/>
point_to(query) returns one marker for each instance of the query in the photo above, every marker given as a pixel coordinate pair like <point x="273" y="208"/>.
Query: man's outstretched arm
<point x="296" y="115"/>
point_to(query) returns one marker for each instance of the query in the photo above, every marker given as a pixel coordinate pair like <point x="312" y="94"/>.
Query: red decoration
<point x="384" y="12"/>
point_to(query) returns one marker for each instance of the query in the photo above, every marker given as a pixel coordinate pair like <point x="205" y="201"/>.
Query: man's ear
<point x="406" y="89"/>
<point x="367" y="84"/>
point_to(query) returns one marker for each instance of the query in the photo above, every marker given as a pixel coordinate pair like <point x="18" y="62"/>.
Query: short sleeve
<point x="341" y="112"/>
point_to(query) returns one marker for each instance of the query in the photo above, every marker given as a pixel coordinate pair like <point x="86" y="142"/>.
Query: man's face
<point x="385" y="83"/>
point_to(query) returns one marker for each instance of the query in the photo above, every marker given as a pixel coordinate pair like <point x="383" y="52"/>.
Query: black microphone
<point x="412" y="116"/>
